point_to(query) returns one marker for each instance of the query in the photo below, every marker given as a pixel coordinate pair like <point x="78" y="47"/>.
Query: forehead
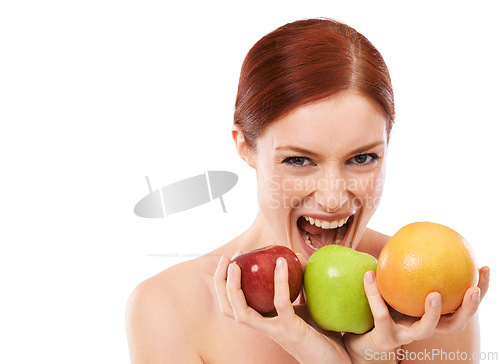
<point x="337" y="123"/>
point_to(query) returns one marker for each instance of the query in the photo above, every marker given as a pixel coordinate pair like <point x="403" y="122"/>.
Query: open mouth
<point x="317" y="233"/>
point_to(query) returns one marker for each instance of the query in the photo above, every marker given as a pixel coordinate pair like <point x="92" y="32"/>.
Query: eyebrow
<point x="314" y="154"/>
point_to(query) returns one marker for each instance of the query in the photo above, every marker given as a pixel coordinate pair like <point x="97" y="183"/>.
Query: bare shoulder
<point x="163" y="312"/>
<point x="372" y="242"/>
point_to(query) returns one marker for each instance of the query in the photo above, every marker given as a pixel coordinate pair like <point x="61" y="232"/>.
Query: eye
<point x="298" y="161"/>
<point x="363" y="159"/>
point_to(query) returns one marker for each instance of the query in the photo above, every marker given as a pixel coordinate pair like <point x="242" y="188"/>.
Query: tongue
<point x="319" y="237"/>
<point x="320" y="240"/>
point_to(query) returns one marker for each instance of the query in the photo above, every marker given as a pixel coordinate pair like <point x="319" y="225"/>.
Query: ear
<point x="242" y="146"/>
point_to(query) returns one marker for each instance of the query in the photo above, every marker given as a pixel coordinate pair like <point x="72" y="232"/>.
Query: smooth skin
<point x="195" y="312"/>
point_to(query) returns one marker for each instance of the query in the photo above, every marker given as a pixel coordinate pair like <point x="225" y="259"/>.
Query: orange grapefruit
<point x="421" y="258"/>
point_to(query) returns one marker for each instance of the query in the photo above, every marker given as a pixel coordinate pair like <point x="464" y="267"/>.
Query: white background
<point x="96" y="95"/>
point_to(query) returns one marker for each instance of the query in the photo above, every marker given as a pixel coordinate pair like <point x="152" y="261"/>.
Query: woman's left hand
<point x="290" y="331"/>
<point x="390" y="333"/>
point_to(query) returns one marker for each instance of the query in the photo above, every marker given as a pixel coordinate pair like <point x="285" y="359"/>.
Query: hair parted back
<point x="303" y="62"/>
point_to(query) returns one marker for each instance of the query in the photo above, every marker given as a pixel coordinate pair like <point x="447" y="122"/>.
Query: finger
<point x="282" y="302"/>
<point x="236" y="253"/>
<point x="484" y="281"/>
<point x="302" y="260"/>
<point x="381" y="316"/>
<point x="426" y="326"/>
<point x="473" y="296"/>
<point x="220" y="287"/>
<point x="242" y="312"/>
<point x="457" y="321"/>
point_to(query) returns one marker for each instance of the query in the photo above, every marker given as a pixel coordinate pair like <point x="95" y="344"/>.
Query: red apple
<point x="257" y="275"/>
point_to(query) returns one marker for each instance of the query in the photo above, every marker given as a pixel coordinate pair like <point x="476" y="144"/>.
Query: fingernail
<point x="475" y="295"/>
<point x="279" y="263"/>
<point x="230" y="270"/>
<point x="436" y="302"/>
<point x="370" y="276"/>
<point x="487" y="273"/>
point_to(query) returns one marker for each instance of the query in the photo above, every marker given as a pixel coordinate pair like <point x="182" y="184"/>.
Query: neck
<point x="258" y="235"/>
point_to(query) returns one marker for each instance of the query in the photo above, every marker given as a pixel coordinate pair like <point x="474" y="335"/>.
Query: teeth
<point x="326" y="224"/>
<point x="307" y="240"/>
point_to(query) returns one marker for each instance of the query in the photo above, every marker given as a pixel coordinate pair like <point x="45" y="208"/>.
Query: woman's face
<point x="320" y="172"/>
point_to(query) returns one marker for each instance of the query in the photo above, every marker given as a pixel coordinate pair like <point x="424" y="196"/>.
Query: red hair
<point x="303" y="62"/>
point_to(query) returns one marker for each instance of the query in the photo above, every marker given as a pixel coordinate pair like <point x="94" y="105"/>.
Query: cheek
<point x="280" y="191"/>
<point x="368" y="189"/>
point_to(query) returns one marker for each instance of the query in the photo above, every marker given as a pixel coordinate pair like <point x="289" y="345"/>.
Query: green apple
<point x="335" y="294"/>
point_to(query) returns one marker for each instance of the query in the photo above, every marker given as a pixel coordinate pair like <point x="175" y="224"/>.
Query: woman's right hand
<point x="393" y="330"/>
<point x="304" y="342"/>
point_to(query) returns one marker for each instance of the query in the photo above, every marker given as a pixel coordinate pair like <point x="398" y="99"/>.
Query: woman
<point x="313" y="117"/>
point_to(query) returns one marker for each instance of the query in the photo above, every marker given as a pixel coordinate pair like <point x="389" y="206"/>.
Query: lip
<point x="329" y="218"/>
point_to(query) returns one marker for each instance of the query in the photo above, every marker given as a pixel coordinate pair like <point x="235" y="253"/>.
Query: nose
<point x="331" y="192"/>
